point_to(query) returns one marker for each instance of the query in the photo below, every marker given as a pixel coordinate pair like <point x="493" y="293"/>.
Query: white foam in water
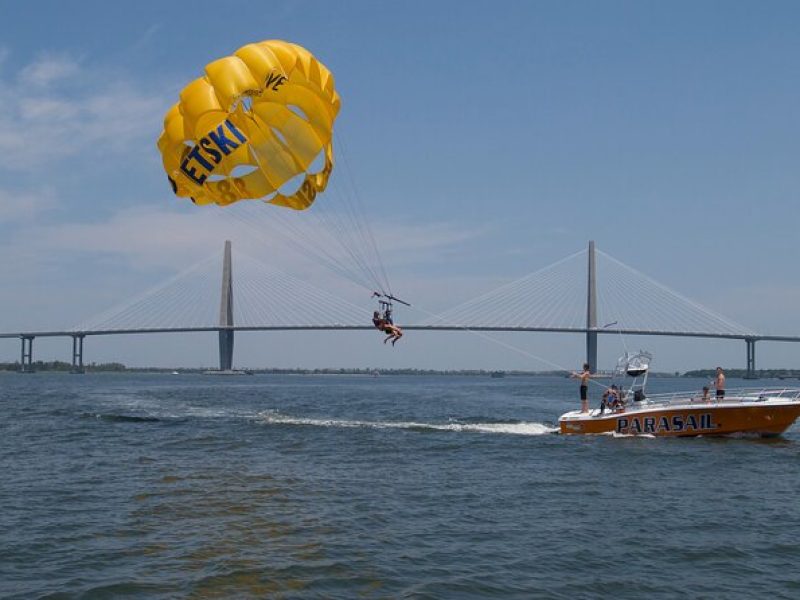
<point x="511" y="428"/>
<point x="615" y="434"/>
<point x="506" y="428"/>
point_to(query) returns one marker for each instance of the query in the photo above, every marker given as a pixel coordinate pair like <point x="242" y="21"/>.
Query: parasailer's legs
<point x="398" y="334"/>
<point x="395" y="333"/>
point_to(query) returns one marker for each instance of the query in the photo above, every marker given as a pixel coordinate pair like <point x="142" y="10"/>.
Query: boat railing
<point x="731" y="396"/>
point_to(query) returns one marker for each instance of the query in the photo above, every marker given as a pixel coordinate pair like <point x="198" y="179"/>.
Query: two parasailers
<point x="382" y="319"/>
<point x="383" y="322"/>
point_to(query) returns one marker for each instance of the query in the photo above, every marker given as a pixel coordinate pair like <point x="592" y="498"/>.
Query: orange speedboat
<point x="758" y="412"/>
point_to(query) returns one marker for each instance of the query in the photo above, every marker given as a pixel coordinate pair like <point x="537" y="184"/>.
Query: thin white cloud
<point x="54" y="109"/>
<point x="25" y="206"/>
<point x="37" y="109"/>
<point x="146" y="39"/>
<point x="48" y="69"/>
<point x="425" y="244"/>
<point x="147" y="237"/>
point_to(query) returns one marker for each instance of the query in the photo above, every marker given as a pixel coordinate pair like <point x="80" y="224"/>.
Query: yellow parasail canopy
<point x="253" y="122"/>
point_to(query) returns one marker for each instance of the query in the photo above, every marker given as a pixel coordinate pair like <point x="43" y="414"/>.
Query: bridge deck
<point x="700" y="334"/>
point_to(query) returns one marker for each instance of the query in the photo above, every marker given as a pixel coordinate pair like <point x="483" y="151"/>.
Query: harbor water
<point x="268" y="486"/>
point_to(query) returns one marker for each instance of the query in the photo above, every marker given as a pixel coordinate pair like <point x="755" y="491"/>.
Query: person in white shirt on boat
<point x="719" y="383"/>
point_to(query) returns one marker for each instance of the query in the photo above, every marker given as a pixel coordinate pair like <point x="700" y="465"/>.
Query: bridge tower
<point x="77" y="353"/>
<point x="26" y="355"/>
<point x="591" y="312"/>
<point x="226" y="313"/>
<point x="751" y="358"/>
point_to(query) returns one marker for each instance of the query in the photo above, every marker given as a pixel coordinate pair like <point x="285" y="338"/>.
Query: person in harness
<point x="386" y="326"/>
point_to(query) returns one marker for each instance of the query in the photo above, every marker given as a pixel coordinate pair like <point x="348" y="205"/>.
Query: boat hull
<point x="767" y="418"/>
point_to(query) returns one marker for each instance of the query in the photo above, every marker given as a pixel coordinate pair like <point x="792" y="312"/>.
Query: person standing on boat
<point x="584" y="376"/>
<point x="719" y="383"/>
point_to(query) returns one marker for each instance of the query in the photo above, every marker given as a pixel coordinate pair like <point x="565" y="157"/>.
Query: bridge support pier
<point x="591" y="313"/>
<point x="226" y="313"/>
<point x="226" y="350"/>
<point x="751" y="358"/>
<point x="77" y="354"/>
<point x="591" y="350"/>
<point x="26" y="355"/>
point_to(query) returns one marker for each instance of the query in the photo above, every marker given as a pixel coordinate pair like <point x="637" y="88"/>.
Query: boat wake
<point x="516" y="428"/>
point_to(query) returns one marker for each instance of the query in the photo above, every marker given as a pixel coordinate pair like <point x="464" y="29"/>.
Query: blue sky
<point x="499" y="137"/>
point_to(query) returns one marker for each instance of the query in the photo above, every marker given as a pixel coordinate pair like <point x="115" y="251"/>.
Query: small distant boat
<point x="758" y="412"/>
<point x="497" y="374"/>
<point x="175" y="373"/>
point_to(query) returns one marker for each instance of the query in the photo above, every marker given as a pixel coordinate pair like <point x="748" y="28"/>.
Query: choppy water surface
<point x="395" y="486"/>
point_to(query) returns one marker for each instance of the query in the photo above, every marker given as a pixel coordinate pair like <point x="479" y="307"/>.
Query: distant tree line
<point x="759" y="373"/>
<point x="115" y="367"/>
<point x="58" y="365"/>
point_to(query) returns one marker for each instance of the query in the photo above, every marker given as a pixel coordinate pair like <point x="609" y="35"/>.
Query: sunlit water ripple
<point x="161" y="486"/>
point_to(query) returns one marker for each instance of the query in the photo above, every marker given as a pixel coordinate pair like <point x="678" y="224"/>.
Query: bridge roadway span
<point x="78" y="336"/>
<point x="584" y="330"/>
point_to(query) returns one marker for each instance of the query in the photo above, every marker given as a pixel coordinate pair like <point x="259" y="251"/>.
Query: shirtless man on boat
<point x="584" y="376"/>
<point x="719" y="383"/>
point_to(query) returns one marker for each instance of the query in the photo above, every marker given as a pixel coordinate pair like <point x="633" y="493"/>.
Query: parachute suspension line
<point x="320" y="228"/>
<point x="346" y="225"/>
<point x="366" y="230"/>
<point x="319" y="238"/>
<point x="343" y="223"/>
<point x="308" y="240"/>
<point x="279" y="223"/>
<point x="305" y="237"/>
<point x="345" y="241"/>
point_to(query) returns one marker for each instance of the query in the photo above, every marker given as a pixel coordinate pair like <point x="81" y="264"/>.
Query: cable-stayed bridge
<point x="588" y="293"/>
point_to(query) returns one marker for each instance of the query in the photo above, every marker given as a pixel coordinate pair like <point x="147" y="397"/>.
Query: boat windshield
<point x="634" y="365"/>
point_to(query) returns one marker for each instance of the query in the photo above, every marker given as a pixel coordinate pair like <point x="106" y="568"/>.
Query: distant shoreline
<point x="64" y="367"/>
